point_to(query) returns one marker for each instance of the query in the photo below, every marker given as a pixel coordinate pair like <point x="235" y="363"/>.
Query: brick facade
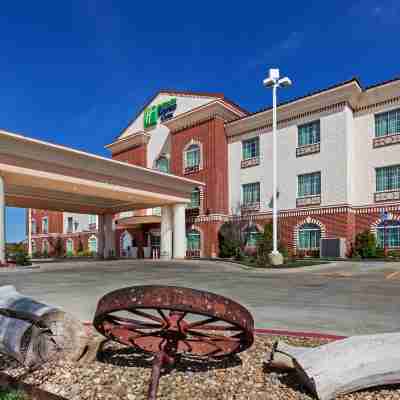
<point x="135" y="155"/>
<point x="55" y="219"/>
<point x="82" y="237"/>
<point x="214" y="166"/>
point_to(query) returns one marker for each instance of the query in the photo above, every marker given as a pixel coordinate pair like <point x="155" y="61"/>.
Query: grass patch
<point x="11" y="395"/>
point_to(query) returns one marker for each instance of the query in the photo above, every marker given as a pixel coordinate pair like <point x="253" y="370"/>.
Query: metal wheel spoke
<point x="163" y="316"/>
<point x="212" y="337"/>
<point x="203" y="322"/>
<point x="127" y="322"/>
<point x="146" y="315"/>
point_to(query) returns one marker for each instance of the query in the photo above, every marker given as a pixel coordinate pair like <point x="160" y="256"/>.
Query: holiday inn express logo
<point x="163" y="111"/>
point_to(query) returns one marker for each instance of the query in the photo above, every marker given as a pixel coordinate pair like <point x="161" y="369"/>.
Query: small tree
<point x="365" y="244"/>
<point x="229" y="240"/>
<point x="59" y="247"/>
<point x="265" y="245"/>
<point x="80" y="246"/>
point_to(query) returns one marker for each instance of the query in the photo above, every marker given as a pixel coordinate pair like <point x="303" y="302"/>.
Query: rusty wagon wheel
<point x="190" y="318"/>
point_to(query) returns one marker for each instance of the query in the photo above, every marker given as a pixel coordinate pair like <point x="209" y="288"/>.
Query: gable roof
<point x="182" y="93"/>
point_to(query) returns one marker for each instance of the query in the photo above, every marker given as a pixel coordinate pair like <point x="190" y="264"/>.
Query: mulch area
<point x="122" y="374"/>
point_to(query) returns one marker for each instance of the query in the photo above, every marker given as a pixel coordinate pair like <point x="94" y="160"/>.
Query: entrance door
<point x="155" y="242"/>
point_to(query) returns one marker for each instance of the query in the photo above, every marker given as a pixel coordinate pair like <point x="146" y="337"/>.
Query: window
<point x="309" y="184"/>
<point x="70" y="224"/>
<point x="251" y="193"/>
<point x="193" y="240"/>
<point x="251" y="148"/>
<point x="309" y="237"/>
<point x="388" y="178"/>
<point x="388" y="236"/>
<point x="252" y="236"/>
<point x="309" y="133"/>
<point x="70" y="247"/>
<point x="162" y="164"/>
<point x="34" y="249"/>
<point x="192" y="155"/>
<point x="92" y="219"/>
<point x="195" y="199"/>
<point x="387" y="123"/>
<point x="92" y="244"/>
<point x="33" y="227"/>
<point x="45" y="225"/>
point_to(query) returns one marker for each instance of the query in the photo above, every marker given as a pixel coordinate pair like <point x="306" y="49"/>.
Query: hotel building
<point x="338" y="170"/>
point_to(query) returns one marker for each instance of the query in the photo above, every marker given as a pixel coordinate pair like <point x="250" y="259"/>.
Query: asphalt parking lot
<point x="342" y="298"/>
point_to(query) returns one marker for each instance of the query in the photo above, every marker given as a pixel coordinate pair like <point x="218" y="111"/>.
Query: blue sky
<point x="75" y="72"/>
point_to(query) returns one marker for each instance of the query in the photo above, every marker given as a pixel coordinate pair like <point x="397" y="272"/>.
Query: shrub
<point x="59" y="247"/>
<point x="22" y="258"/>
<point x="365" y="244"/>
<point x="380" y="253"/>
<point x="229" y="242"/>
<point x="80" y="246"/>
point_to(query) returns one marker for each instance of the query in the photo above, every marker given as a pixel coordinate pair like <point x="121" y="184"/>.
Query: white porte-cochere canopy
<point x="37" y="174"/>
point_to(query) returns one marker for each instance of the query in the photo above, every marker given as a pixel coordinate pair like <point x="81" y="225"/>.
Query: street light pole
<point x="275" y="174"/>
<point x="274" y="81"/>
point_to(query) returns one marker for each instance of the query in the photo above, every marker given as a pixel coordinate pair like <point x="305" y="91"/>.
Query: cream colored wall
<point x="82" y="219"/>
<point x="367" y="158"/>
<point x="332" y="161"/>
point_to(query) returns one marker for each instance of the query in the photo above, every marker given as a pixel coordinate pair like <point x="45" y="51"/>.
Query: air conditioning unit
<point x="333" y="247"/>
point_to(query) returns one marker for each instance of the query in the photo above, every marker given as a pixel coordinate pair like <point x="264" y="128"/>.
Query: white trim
<point x="191" y="142"/>
<point x="97" y="243"/>
<point x="308" y="220"/>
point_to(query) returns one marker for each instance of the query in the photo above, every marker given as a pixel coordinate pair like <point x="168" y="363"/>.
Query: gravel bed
<point x="122" y="374"/>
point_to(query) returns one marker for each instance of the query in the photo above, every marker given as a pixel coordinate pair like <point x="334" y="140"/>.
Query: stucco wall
<point x="331" y="161"/>
<point x="81" y="219"/>
<point x="367" y="158"/>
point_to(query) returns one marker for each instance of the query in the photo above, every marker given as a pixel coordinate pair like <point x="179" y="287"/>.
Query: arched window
<point x="70" y="247"/>
<point x="195" y="198"/>
<point x="388" y="234"/>
<point x="193" y="242"/>
<point x="162" y="164"/>
<point x="192" y="158"/>
<point x="92" y="244"/>
<point x="45" y="247"/>
<point x="252" y="236"/>
<point x="309" y="237"/>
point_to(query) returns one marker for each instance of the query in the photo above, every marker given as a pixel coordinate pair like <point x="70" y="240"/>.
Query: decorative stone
<point x="275" y="259"/>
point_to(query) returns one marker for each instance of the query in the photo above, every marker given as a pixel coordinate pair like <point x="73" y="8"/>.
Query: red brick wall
<point x="214" y="172"/>
<point x="55" y="220"/>
<point x="209" y="237"/>
<point x="135" y="155"/>
<point x="52" y="240"/>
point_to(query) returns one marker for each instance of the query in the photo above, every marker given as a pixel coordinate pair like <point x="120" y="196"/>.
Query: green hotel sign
<point x="163" y="111"/>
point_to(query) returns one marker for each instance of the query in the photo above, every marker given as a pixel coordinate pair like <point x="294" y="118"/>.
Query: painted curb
<point x="280" y="332"/>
